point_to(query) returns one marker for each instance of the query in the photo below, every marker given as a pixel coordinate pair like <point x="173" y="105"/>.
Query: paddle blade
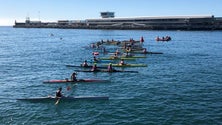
<point x="57" y="102"/>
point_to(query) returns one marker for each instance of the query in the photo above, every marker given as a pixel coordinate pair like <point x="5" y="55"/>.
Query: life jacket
<point x="122" y="62"/>
<point x="84" y="64"/>
<point x="58" y="94"/>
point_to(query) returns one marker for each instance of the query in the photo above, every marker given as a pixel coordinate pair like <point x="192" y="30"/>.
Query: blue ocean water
<point x="181" y="86"/>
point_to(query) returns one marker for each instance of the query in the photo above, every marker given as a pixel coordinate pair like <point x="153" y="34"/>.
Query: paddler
<point x="115" y="56"/>
<point x="122" y="62"/>
<point x="141" y="39"/>
<point x="144" y="50"/>
<point x="94" y="68"/>
<point x="104" y="50"/>
<point x="117" y="52"/>
<point x="127" y="54"/>
<point x="94" y="59"/>
<point x="110" y="68"/>
<point x="128" y="49"/>
<point x="85" y="63"/>
<point x="59" y="93"/>
<point x="73" y="76"/>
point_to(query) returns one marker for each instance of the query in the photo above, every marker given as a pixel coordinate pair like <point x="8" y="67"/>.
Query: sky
<point x="54" y="10"/>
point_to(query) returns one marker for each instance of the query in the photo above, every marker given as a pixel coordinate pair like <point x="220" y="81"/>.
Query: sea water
<point x="181" y="86"/>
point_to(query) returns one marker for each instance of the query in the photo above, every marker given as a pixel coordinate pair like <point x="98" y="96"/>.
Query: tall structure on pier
<point x="27" y="20"/>
<point x="107" y="14"/>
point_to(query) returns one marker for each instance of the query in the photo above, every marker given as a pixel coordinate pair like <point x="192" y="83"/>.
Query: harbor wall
<point x="145" y="23"/>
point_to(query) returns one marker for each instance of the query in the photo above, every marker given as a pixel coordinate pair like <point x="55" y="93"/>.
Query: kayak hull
<point x="120" y="71"/>
<point x="100" y="61"/>
<point x="80" y="66"/>
<point x="78" y="81"/>
<point x="140" y="52"/>
<point x="67" y="99"/>
<point x="124" y="58"/>
<point x="129" y="65"/>
<point x="133" y="57"/>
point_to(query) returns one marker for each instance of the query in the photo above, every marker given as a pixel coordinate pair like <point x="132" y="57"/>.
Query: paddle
<point x="57" y="101"/>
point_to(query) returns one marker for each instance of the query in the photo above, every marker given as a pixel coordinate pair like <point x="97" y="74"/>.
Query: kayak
<point x="78" y="81"/>
<point x="133" y="50"/>
<point x="148" y="52"/>
<point x="128" y="65"/>
<point x="100" y="61"/>
<point x="68" y="98"/>
<point x="122" y="71"/>
<point x="117" y="58"/>
<point x="89" y="66"/>
<point x="133" y="57"/>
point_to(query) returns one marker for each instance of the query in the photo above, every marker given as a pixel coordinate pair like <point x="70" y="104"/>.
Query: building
<point x="107" y="14"/>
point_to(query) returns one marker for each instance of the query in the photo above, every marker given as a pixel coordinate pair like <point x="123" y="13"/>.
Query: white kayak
<point x="68" y="98"/>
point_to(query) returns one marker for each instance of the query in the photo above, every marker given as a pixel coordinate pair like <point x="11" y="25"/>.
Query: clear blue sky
<point x="53" y="10"/>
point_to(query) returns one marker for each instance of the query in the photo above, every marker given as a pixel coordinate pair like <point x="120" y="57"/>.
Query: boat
<point x="117" y="58"/>
<point x="65" y="98"/>
<point x="167" y="38"/>
<point x="78" y="81"/>
<point x="127" y="65"/>
<point x="122" y="71"/>
<point x="132" y="49"/>
<point x="112" y="42"/>
<point x="89" y="66"/>
<point x="132" y="56"/>
<point x="147" y="52"/>
<point x="100" y="61"/>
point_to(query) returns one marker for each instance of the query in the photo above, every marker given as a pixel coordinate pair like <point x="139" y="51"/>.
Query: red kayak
<point x="78" y="81"/>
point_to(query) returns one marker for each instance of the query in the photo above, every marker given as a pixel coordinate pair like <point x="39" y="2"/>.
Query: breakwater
<point x="146" y="23"/>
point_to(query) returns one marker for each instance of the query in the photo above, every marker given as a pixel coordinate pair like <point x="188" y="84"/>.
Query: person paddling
<point x="59" y="93"/>
<point x="144" y="51"/>
<point x="73" y="76"/>
<point x="94" y="59"/>
<point x="141" y="39"/>
<point x="122" y="62"/>
<point x="94" y="68"/>
<point x="115" y="56"/>
<point x="110" y="68"/>
<point x="85" y="63"/>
